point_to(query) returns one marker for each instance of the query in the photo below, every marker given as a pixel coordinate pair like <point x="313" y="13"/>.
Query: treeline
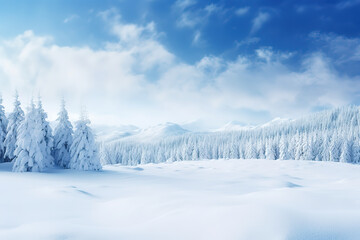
<point x="332" y="135"/>
<point x="28" y="142"/>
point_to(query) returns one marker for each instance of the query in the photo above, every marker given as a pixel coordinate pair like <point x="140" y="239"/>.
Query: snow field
<point x="213" y="199"/>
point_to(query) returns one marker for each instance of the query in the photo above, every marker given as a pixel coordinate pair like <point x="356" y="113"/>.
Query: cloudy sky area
<point x="148" y="62"/>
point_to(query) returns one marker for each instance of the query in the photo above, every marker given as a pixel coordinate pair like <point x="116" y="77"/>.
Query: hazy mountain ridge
<point x="157" y="132"/>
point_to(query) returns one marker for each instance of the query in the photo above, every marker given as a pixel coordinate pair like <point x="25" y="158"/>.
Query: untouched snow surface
<point x="214" y="199"/>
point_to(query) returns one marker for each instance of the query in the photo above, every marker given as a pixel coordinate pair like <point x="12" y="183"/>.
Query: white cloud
<point x="343" y="49"/>
<point x="71" y="18"/>
<point x="117" y="83"/>
<point x="242" y="11"/>
<point x="259" y="21"/>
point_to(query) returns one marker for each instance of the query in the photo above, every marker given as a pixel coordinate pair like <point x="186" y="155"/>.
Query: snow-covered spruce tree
<point x="84" y="151"/>
<point x="47" y="141"/>
<point x="270" y="150"/>
<point x="283" y="148"/>
<point x="334" y="150"/>
<point x="29" y="154"/>
<point x="62" y="138"/>
<point x="346" y="152"/>
<point x="356" y="152"/>
<point x="15" y="118"/>
<point x="3" y="126"/>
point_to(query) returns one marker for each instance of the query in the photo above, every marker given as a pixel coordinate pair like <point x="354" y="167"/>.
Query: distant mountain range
<point x="106" y="133"/>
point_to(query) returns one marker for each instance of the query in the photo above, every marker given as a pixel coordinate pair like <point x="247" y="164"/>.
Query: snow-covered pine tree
<point x="270" y="150"/>
<point x="356" y="152"/>
<point x="346" y="152"/>
<point x="15" y="118"/>
<point x="47" y="141"/>
<point x="261" y="149"/>
<point x="283" y="148"/>
<point x="29" y="156"/>
<point x="250" y="152"/>
<point x="84" y="151"/>
<point x="62" y="138"/>
<point x="3" y="126"/>
<point x="298" y="147"/>
<point x="334" y="149"/>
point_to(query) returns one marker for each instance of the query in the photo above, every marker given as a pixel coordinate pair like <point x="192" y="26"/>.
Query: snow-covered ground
<point x="214" y="199"/>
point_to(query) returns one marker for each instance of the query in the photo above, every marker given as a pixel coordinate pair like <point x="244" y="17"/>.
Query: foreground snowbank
<point x="222" y="199"/>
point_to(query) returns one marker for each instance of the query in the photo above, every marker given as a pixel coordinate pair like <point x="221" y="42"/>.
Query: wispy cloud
<point x="259" y="21"/>
<point x="242" y="11"/>
<point x="193" y="17"/>
<point x="197" y="38"/>
<point x="247" y="41"/>
<point x="181" y="5"/>
<point x="71" y="18"/>
<point x="212" y="8"/>
<point x="343" y="50"/>
<point x="346" y="4"/>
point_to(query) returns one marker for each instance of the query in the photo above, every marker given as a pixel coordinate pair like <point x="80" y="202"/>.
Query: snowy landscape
<point x="286" y="199"/>
<point x="183" y="119"/>
<point x="297" y="179"/>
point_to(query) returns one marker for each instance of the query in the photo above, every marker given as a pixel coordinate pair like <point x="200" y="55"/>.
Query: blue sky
<point x="182" y="60"/>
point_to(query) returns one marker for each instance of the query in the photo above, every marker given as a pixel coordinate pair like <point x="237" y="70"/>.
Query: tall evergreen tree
<point x="29" y="154"/>
<point x="270" y="150"/>
<point x="345" y="152"/>
<point x="15" y="118"/>
<point x="62" y="138"/>
<point x="334" y="149"/>
<point x="283" y="148"/>
<point x="356" y="152"/>
<point x="3" y="126"/>
<point x="84" y="150"/>
<point x="47" y="138"/>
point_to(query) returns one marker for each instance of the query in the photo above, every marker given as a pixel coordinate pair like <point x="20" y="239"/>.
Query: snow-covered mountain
<point x="198" y="125"/>
<point x="105" y="133"/>
<point x="276" y="121"/>
<point x="133" y="133"/>
<point x="158" y="132"/>
<point x="234" y="126"/>
<point x="239" y="126"/>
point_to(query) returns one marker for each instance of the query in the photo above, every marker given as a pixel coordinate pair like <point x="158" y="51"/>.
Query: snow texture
<point x="214" y="199"/>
